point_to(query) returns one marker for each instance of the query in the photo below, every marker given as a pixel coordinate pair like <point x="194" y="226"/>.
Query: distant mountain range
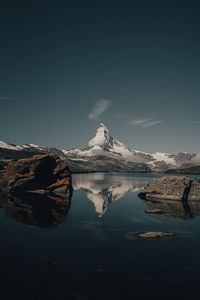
<point x="105" y="153"/>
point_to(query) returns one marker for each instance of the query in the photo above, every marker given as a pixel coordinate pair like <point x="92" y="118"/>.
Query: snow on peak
<point x="101" y="125"/>
<point x="165" y="157"/>
<point x="9" y="146"/>
<point x="105" y="141"/>
<point x="101" y="138"/>
<point x="20" y="148"/>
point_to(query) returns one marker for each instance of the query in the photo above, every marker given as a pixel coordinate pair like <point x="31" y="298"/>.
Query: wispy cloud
<point x="140" y="122"/>
<point x="193" y="121"/>
<point x="6" y="98"/>
<point x="152" y="123"/>
<point x="144" y="123"/>
<point x="101" y="106"/>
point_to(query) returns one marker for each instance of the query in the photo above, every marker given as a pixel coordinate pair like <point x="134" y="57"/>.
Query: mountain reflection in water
<point x="36" y="209"/>
<point x="102" y="189"/>
<point x="98" y="258"/>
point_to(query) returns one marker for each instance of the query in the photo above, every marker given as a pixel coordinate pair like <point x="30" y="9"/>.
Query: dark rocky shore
<point x="40" y="173"/>
<point x="36" y="191"/>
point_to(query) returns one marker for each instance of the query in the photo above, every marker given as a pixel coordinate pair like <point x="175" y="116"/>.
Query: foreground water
<point x="91" y="249"/>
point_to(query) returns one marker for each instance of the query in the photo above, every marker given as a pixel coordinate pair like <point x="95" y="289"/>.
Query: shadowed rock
<point x="41" y="173"/>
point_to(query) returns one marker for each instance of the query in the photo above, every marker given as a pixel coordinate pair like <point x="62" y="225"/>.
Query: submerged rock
<point x="155" y="235"/>
<point x="172" y="188"/>
<point x="40" y="173"/>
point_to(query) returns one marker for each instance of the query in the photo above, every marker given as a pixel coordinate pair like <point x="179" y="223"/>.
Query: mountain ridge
<point x="105" y="153"/>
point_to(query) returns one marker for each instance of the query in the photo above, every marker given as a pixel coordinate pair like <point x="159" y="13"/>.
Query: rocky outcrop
<point x="173" y="188"/>
<point x="40" y="173"/>
<point x="174" y="197"/>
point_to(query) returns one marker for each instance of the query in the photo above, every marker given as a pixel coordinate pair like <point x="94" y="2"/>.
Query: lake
<point x="91" y="249"/>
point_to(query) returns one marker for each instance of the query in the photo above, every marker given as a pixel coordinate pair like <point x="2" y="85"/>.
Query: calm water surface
<point x="91" y="249"/>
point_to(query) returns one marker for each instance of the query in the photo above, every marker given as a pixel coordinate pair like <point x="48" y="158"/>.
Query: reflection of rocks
<point x="171" y="209"/>
<point x="36" y="209"/>
<point x="102" y="189"/>
<point x="40" y="172"/>
<point x="155" y="211"/>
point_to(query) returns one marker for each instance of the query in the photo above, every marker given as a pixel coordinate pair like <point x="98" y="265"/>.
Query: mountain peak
<point x="105" y="141"/>
<point x="101" y="125"/>
<point x="101" y="138"/>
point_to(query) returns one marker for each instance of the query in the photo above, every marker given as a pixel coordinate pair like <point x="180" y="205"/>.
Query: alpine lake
<point x="94" y="251"/>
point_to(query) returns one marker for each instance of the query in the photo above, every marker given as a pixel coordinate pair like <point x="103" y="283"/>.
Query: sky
<point x="66" y="66"/>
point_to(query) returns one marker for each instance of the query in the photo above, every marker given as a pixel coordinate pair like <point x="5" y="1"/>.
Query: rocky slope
<point x="189" y="170"/>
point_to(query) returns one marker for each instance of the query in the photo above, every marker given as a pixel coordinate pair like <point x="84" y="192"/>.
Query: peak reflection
<point x="103" y="191"/>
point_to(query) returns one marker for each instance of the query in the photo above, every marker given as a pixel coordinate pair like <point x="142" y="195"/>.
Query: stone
<point x="40" y="173"/>
<point x="172" y="188"/>
<point x="155" y="235"/>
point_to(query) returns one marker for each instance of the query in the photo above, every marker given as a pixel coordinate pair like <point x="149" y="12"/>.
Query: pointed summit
<point x="101" y="125"/>
<point x="106" y="142"/>
<point x="102" y="137"/>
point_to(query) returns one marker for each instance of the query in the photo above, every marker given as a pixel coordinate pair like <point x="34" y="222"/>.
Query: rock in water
<point x="41" y="173"/>
<point x="156" y="235"/>
<point x="172" y="188"/>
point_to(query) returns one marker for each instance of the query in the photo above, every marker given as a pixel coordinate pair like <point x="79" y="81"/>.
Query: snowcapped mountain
<point x="104" y="145"/>
<point x="105" y="153"/>
<point x="9" y="146"/>
<point x="102" y="142"/>
<point x="29" y="147"/>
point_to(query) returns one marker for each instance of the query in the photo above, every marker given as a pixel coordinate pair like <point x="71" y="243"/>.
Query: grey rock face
<point x="194" y="193"/>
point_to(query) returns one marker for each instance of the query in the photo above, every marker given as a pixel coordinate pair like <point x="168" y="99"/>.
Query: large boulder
<point x="172" y="188"/>
<point x="40" y="173"/>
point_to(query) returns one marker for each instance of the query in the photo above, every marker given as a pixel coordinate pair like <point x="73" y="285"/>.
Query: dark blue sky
<point x="66" y="66"/>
